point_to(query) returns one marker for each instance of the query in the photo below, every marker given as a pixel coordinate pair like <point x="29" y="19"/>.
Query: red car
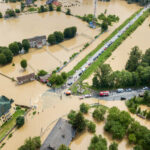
<point x="104" y="93"/>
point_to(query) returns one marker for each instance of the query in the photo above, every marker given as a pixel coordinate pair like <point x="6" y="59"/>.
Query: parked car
<point x="87" y="95"/>
<point x="141" y="95"/>
<point x="120" y="90"/>
<point x="123" y="98"/>
<point x="145" y="88"/>
<point x="69" y="83"/>
<point x="48" y="84"/>
<point x="104" y="93"/>
<point x="129" y="90"/>
<point x="68" y="93"/>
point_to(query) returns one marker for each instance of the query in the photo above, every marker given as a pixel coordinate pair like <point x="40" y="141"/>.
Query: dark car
<point x="49" y="84"/>
<point x="123" y="98"/>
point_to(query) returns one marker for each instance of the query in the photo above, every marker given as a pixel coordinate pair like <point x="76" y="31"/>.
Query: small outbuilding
<point x="37" y="42"/>
<point x="44" y="79"/>
<point x="26" y="78"/>
<point x="62" y="133"/>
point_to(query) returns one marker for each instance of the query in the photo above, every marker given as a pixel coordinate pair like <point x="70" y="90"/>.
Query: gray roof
<point x="5" y="105"/>
<point x="62" y="133"/>
<point x="37" y="38"/>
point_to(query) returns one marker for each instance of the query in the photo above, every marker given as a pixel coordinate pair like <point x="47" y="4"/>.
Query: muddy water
<point x="5" y="6"/>
<point x="27" y="26"/>
<point x="140" y="38"/>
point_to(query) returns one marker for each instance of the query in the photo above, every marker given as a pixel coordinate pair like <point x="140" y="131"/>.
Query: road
<point x="78" y="72"/>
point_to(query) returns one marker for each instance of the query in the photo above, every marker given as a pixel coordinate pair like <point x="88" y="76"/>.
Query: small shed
<point x="26" y="78"/>
<point x="62" y="133"/>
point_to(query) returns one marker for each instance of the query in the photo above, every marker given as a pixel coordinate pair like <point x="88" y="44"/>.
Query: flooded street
<point x="140" y="38"/>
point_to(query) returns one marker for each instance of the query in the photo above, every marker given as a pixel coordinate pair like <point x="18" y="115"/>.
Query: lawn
<point x="10" y="124"/>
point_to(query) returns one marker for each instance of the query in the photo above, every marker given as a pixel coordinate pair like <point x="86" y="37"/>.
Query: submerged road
<point x="78" y="72"/>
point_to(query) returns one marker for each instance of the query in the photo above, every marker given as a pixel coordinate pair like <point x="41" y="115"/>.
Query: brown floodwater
<point x="140" y="38"/>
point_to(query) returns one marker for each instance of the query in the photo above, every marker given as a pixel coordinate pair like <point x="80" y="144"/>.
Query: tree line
<point x="136" y="73"/>
<point x="59" y="36"/>
<point x="140" y="2"/>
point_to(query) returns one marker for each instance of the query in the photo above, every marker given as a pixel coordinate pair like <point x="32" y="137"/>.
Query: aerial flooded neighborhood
<point x="74" y="75"/>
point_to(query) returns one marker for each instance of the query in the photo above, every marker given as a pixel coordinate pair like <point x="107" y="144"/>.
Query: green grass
<point x="10" y="123"/>
<point x="84" y="60"/>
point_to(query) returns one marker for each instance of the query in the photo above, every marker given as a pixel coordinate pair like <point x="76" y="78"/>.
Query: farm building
<point x="26" y="78"/>
<point x="37" y="42"/>
<point x="62" y="133"/>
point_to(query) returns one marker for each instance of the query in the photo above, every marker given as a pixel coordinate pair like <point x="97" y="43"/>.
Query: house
<point x="62" y="133"/>
<point x="6" y="110"/>
<point x="49" y="2"/>
<point x="29" y="2"/>
<point x="25" y="78"/>
<point x="44" y="79"/>
<point x="37" y="42"/>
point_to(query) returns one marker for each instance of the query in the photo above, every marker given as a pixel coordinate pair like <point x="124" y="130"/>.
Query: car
<point x="145" y="88"/>
<point x="141" y="95"/>
<point x="81" y="97"/>
<point x="80" y="73"/>
<point x="120" y="90"/>
<point x="70" y="83"/>
<point x="48" y="84"/>
<point x="129" y="90"/>
<point x="123" y="98"/>
<point x="104" y="93"/>
<point x="105" y="48"/>
<point x="68" y="93"/>
<point x="87" y="95"/>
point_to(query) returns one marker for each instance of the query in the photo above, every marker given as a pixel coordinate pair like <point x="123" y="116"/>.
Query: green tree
<point x="17" y="11"/>
<point x="138" y="147"/>
<point x="63" y="147"/>
<point x="58" y="8"/>
<point x="113" y="146"/>
<point x="1" y="15"/>
<point x="98" y="143"/>
<point x="64" y="75"/>
<point x="19" y="45"/>
<point x="104" y="26"/>
<point x="148" y="115"/>
<point x="23" y="64"/>
<point x="71" y="116"/>
<point x="146" y="57"/>
<point x="51" y="7"/>
<point x="79" y="122"/>
<point x="51" y="39"/>
<point x="91" y="127"/>
<point x="10" y="13"/>
<point x="31" y="144"/>
<point x="20" y="121"/>
<point x="132" y="138"/>
<point x="25" y="45"/>
<point x="68" y="12"/>
<point x="134" y="59"/>
<point x="3" y="59"/>
<point x="42" y="73"/>
<point x="84" y="108"/>
<point x="8" y="54"/>
<point x="14" y="48"/>
<point x="59" y="36"/>
<point x="99" y="113"/>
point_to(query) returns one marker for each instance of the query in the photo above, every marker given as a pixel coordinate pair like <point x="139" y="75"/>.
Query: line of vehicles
<point x="79" y="72"/>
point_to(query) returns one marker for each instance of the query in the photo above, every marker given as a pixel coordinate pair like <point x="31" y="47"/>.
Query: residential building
<point x="25" y="78"/>
<point x="37" y="42"/>
<point x="6" y="109"/>
<point x="62" y="133"/>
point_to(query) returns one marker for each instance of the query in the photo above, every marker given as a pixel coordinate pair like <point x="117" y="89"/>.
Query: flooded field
<point x="140" y="38"/>
<point x="50" y="109"/>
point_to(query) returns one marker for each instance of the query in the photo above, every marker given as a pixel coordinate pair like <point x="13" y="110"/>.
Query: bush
<point x="64" y="75"/>
<point x="20" y="121"/>
<point x="113" y="146"/>
<point x="42" y="73"/>
<point x="99" y="113"/>
<point x="68" y="12"/>
<point x="1" y="15"/>
<point x="63" y="147"/>
<point x="51" y="7"/>
<point x="70" y="32"/>
<point x="17" y="11"/>
<point x="84" y="108"/>
<point x="58" y="8"/>
<point x="23" y="63"/>
<point x="91" y="127"/>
